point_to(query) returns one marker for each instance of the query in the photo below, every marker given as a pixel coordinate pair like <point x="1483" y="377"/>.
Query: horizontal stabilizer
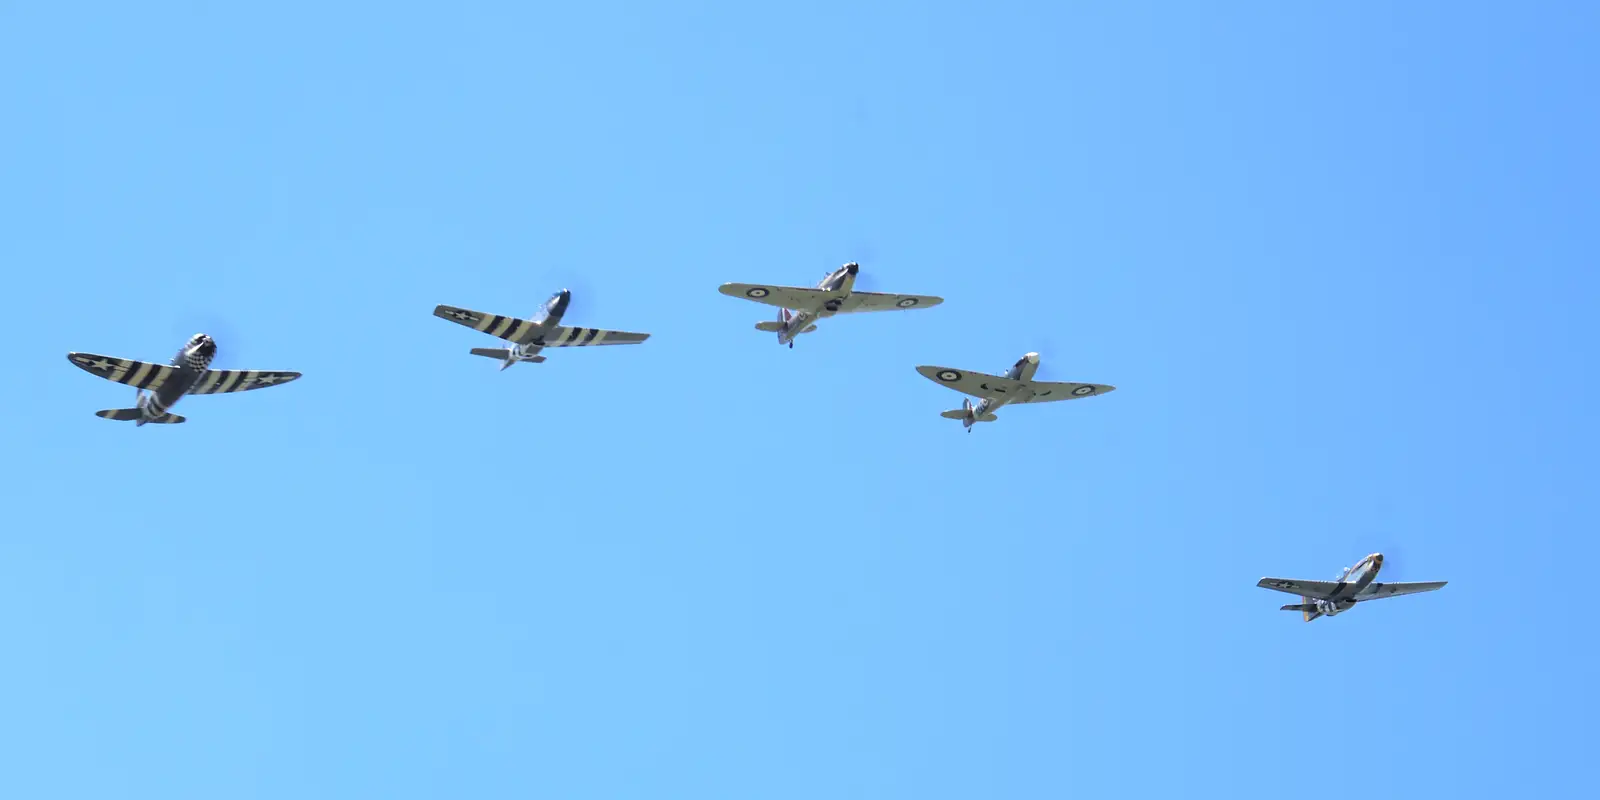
<point x="133" y="414"/>
<point x="961" y="413"/>
<point x="1308" y="611"/>
<point x="770" y="326"/>
<point x="501" y="355"/>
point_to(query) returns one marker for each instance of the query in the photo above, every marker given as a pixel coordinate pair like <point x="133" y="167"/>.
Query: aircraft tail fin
<point x="134" y="415"/>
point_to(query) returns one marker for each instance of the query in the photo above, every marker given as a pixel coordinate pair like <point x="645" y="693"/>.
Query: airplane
<point x="994" y="391"/>
<point x="1354" y="585"/>
<point x="529" y="336"/>
<point x="800" y="307"/>
<point x="159" y="387"/>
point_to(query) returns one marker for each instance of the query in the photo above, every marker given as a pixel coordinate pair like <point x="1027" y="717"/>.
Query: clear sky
<point x="1339" y="260"/>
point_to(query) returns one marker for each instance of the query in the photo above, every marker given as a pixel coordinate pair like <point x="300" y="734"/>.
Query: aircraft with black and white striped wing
<point x="994" y="391"/>
<point x="528" y="336"/>
<point x="1354" y="585"/>
<point x="800" y="307"/>
<point x="159" y="387"/>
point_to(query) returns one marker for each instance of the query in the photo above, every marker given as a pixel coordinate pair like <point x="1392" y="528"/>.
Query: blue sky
<point x="1339" y="261"/>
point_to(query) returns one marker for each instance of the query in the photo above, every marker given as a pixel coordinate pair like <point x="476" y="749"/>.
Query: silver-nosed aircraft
<point x="166" y="384"/>
<point x="529" y="336"/>
<point x="800" y="307"/>
<point x="1354" y="585"/>
<point x="994" y="391"/>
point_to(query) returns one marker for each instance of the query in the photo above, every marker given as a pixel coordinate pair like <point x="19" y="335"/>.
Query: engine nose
<point x="852" y="268"/>
<point x="1032" y="358"/>
<point x="1377" y="560"/>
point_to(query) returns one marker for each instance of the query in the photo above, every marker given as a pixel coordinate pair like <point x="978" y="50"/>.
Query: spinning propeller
<point x="582" y="288"/>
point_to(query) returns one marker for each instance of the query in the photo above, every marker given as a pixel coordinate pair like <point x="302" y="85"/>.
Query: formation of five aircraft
<point x="158" y="387"/>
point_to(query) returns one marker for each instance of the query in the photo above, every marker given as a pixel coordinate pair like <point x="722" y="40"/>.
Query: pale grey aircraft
<point x="994" y="391"/>
<point x="800" y="307"/>
<point x="528" y="336"/>
<point x="1354" y="585"/>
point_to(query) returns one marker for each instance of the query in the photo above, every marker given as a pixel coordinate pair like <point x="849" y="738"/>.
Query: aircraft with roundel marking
<point x="800" y="307"/>
<point x="1354" y="585"/>
<point x="994" y="391"/>
<point x="159" y="387"/>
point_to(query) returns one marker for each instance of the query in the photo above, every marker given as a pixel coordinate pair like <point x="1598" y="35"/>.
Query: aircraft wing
<point x="790" y="297"/>
<point x="1321" y="590"/>
<point x="509" y="328"/>
<point x="1050" y="391"/>
<point x="563" y="336"/>
<point x="1374" y="591"/>
<point x="877" y="301"/>
<point x="220" y="381"/>
<point x="979" y="384"/>
<point x="139" y="374"/>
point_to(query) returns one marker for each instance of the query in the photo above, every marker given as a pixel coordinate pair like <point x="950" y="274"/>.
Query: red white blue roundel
<point x="1083" y="390"/>
<point x="757" y="292"/>
<point x="948" y="375"/>
<point x="907" y="302"/>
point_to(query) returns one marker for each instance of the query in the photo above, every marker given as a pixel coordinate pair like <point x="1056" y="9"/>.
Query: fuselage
<point x="1023" y="370"/>
<point x="548" y="316"/>
<point x="190" y="365"/>
<point x="1351" y="582"/>
<point x="838" y="284"/>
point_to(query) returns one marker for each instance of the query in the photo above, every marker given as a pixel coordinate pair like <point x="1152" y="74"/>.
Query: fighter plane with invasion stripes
<point x="529" y="336"/>
<point x="159" y="387"/>
<point x="1354" y="585"/>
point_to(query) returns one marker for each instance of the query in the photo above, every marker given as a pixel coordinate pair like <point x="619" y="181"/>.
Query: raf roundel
<point x="949" y="375"/>
<point x="757" y="292"/>
<point x="1083" y="390"/>
<point x="907" y="303"/>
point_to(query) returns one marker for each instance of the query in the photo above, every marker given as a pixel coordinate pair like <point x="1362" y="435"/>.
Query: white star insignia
<point x="462" y="315"/>
<point x="100" y="364"/>
<point x="269" y="379"/>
